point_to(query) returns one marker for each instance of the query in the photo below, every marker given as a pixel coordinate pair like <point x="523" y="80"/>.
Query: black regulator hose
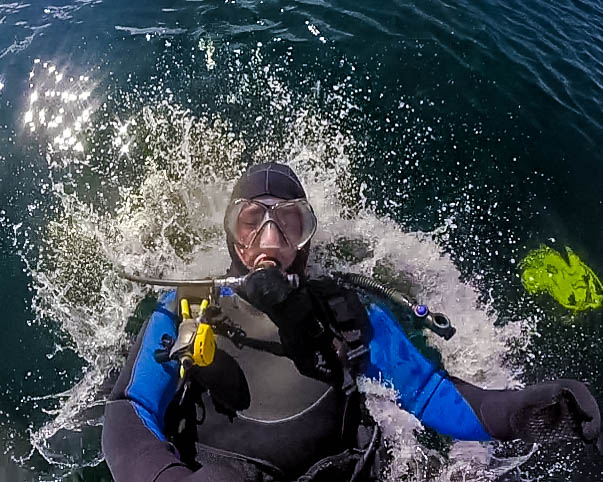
<point x="436" y="322"/>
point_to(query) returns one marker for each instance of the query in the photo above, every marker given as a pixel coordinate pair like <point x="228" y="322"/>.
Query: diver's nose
<point x="271" y="236"/>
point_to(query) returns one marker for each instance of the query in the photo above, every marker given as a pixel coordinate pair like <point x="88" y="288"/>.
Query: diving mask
<point x="246" y="218"/>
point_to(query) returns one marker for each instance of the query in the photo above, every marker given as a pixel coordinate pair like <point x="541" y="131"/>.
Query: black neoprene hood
<point x="268" y="179"/>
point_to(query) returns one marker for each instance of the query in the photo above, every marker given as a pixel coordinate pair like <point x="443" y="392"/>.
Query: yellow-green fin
<point x="573" y="284"/>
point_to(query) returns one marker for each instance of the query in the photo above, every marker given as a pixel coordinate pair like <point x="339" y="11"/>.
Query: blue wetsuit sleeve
<point x="422" y="390"/>
<point x="150" y="385"/>
<point x="133" y="440"/>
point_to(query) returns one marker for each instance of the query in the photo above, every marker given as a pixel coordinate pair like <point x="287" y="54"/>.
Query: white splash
<point x="208" y="47"/>
<point x="170" y="225"/>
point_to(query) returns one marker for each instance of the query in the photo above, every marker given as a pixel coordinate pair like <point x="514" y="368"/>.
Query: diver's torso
<point x="259" y="406"/>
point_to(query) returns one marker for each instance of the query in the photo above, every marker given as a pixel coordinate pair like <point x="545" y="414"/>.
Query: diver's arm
<point x="453" y="407"/>
<point x="134" y="453"/>
<point x="422" y="390"/>
<point x="133" y="441"/>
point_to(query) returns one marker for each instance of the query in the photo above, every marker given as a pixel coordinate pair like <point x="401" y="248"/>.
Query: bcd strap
<point x="348" y="321"/>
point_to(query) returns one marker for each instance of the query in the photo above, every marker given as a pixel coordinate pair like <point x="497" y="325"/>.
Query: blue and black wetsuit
<point x="280" y="403"/>
<point x="264" y="414"/>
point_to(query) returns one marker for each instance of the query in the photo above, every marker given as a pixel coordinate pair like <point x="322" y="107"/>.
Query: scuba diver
<point x="279" y="400"/>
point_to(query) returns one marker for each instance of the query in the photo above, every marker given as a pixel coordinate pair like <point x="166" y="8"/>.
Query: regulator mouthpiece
<point x="269" y="286"/>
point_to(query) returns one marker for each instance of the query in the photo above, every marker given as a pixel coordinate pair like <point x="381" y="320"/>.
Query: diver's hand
<point x="266" y="287"/>
<point x="571" y="399"/>
<point x="545" y="412"/>
<point x="303" y="337"/>
<point x="585" y="409"/>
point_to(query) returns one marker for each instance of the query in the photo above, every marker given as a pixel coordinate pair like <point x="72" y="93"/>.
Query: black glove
<point x="303" y="337"/>
<point x="558" y="410"/>
<point x="266" y="287"/>
<point x="563" y="409"/>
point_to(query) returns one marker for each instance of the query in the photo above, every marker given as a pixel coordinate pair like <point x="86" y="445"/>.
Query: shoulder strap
<point x="346" y="317"/>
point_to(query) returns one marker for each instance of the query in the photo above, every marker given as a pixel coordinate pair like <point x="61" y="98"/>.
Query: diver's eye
<point x="290" y="219"/>
<point x="251" y="215"/>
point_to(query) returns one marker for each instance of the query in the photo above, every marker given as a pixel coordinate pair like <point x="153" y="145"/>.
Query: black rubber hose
<point x="436" y="322"/>
<point x="370" y="284"/>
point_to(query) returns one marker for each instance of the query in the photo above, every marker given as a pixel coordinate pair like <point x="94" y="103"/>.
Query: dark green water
<point x="483" y="115"/>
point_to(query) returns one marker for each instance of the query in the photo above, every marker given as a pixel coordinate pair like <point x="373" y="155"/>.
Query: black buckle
<point x="340" y="309"/>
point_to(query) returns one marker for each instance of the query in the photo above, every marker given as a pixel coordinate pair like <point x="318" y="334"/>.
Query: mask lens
<point x="294" y="219"/>
<point x="244" y="220"/>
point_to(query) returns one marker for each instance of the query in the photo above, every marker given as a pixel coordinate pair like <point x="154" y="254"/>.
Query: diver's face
<point x="269" y="245"/>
